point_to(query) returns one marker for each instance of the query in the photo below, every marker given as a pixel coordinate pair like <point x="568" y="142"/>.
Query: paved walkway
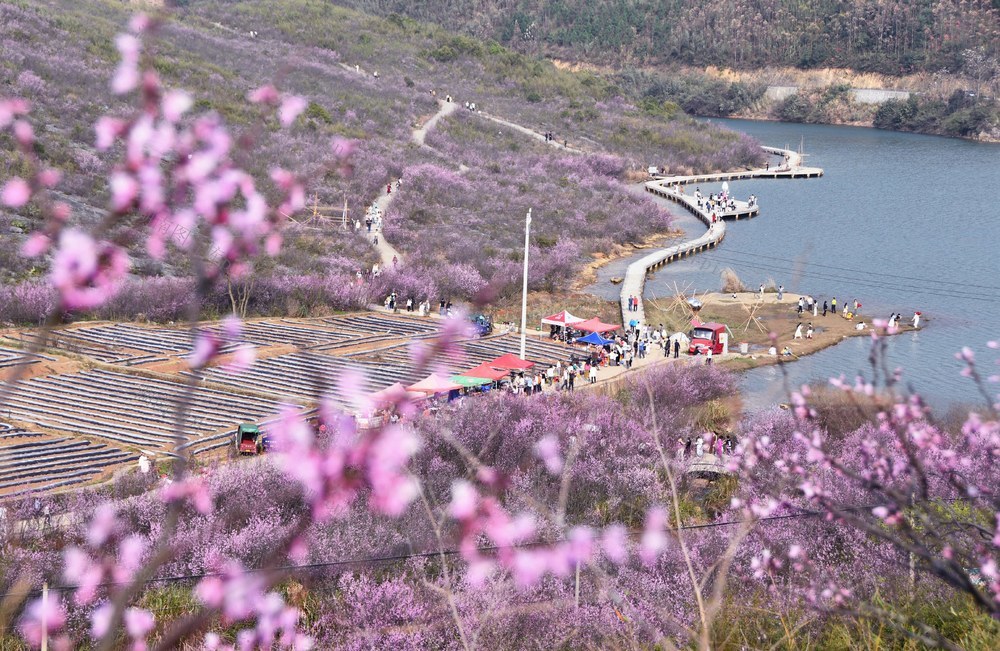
<point x="444" y="108"/>
<point x="387" y="251"/>
<point x="531" y="133"/>
<point x="635" y="275"/>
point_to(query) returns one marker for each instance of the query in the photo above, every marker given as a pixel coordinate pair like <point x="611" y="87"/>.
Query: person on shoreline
<point x="798" y="331"/>
<point x="781" y="292"/>
<point x="824" y="308"/>
<point x="809" y="331"/>
<point x="916" y="319"/>
<point x="833" y="305"/>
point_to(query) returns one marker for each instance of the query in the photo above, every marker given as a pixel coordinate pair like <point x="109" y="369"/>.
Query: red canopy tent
<point x="595" y="325"/>
<point x="488" y="372"/>
<point x="433" y="384"/>
<point x="563" y="318"/>
<point x="511" y="362"/>
<point x="392" y="393"/>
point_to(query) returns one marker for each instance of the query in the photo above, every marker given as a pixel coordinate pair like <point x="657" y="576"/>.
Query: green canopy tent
<point x="470" y="382"/>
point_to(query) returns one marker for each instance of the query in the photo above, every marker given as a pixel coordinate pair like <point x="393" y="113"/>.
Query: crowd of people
<point x="708" y="443"/>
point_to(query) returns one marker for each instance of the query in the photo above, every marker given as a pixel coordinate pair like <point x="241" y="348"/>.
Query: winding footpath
<point x="667" y="187"/>
<point x="386" y="251"/>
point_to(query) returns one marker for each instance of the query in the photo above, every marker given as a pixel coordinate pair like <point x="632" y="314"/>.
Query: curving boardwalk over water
<point x="666" y="187"/>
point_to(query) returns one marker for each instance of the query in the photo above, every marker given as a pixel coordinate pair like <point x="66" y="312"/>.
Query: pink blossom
<point x="79" y="568"/>
<point x="192" y="489"/>
<point x="547" y="450"/>
<point x="24" y="134"/>
<point x="101" y="525"/>
<point x="291" y="107"/>
<point x="138" y="624"/>
<point x="124" y="189"/>
<point x="175" y="104"/>
<point x="126" y="76"/>
<point x="613" y="542"/>
<point x="86" y="273"/>
<point x="16" y="193"/>
<point x="49" y="177"/>
<point x="463" y="500"/>
<point x="100" y="620"/>
<point x="35" y="245"/>
<point x="11" y="108"/>
<point x="107" y="130"/>
<point x="654" y="541"/>
<point x="48" y="615"/>
<point x="130" y="555"/>
<point x="264" y="95"/>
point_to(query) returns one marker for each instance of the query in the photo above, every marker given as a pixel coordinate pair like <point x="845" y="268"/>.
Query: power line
<point x="860" y="281"/>
<point x="430" y="554"/>
<point x="866" y="272"/>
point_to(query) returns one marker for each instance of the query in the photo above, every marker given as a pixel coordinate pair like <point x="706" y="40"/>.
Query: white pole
<point x="45" y="616"/>
<point x="524" y="287"/>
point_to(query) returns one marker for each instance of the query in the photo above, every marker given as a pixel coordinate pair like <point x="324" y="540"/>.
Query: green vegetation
<point x="893" y="37"/>
<point x="963" y="114"/>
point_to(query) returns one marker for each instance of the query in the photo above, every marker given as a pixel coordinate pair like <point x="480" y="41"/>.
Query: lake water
<point x="901" y="222"/>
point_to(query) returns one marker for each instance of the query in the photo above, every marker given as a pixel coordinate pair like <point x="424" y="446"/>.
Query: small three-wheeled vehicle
<point x="250" y="439"/>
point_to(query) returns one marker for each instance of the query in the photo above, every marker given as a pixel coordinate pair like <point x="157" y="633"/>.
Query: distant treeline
<point x="885" y="36"/>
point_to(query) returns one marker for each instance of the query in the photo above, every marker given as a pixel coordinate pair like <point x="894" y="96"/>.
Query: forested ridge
<point x="885" y="36"/>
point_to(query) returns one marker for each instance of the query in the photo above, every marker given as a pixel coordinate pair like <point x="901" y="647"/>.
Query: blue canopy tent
<point x="595" y="339"/>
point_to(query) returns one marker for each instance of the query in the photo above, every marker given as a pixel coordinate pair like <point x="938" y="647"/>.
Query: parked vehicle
<point x="250" y="440"/>
<point x="709" y="336"/>
<point x="482" y="324"/>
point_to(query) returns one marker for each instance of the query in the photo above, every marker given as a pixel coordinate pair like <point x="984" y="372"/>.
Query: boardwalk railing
<point x="635" y="275"/>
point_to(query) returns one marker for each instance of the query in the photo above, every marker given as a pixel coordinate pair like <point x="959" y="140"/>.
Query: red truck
<point x="708" y="336"/>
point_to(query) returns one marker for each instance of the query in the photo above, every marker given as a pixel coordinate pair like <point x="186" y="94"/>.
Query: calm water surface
<point x="901" y="222"/>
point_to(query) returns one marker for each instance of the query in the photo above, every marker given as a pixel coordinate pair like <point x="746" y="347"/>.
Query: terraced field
<point x="306" y="376"/>
<point x="130" y="410"/>
<point x="10" y="357"/>
<point x="70" y="426"/>
<point x="30" y="461"/>
<point x="477" y="351"/>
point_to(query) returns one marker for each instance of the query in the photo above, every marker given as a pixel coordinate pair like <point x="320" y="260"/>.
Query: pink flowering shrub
<point x="506" y="521"/>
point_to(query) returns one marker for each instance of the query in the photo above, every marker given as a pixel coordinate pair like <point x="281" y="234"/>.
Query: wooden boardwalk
<point x="635" y="275"/>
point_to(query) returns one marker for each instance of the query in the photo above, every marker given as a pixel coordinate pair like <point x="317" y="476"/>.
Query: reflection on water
<point x="901" y="222"/>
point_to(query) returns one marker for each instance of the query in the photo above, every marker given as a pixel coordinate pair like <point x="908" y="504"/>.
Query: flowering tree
<point x="903" y="480"/>
<point x="516" y="521"/>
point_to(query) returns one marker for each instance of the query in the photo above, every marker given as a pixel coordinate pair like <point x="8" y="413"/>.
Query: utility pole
<point x="524" y="288"/>
<point x="45" y="616"/>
